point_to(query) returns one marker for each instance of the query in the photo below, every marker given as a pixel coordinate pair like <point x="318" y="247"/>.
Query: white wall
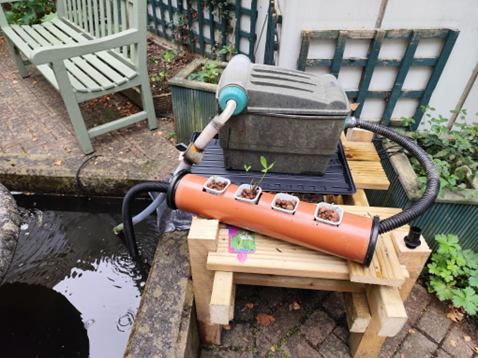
<point x="353" y="14"/>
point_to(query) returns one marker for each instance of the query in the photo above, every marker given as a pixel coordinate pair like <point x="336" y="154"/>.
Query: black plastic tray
<point x="337" y="180"/>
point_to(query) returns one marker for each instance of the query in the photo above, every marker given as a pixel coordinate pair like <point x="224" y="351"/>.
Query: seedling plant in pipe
<point x="250" y="192"/>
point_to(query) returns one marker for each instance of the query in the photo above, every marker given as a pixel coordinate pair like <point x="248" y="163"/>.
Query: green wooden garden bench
<point x="93" y="48"/>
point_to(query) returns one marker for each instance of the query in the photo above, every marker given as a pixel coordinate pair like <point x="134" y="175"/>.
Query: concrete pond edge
<point x="10" y="222"/>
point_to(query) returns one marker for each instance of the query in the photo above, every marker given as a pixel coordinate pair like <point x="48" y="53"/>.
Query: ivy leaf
<point x="467" y="299"/>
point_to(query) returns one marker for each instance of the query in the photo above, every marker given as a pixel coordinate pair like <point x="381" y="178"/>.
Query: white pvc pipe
<point x="201" y="142"/>
<point x="213" y="127"/>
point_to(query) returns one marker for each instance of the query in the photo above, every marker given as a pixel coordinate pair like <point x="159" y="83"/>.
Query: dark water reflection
<point x="78" y="256"/>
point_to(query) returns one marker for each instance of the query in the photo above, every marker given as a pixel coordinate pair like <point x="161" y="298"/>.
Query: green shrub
<point x="454" y="152"/>
<point x="454" y="274"/>
<point x="29" y="12"/>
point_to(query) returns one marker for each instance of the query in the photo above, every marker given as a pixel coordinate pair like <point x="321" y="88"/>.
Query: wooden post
<point x="415" y="260"/>
<point x="366" y="345"/>
<point x="386" y="306"/>
<point x="358" y="314"/>
<point x="222" y="297"/>
<point x="202" y="239"/>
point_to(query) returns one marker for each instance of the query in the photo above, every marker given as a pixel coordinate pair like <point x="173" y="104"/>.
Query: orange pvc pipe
<point x="350" y="240"/>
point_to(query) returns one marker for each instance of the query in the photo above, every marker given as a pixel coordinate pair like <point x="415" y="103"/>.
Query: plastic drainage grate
<point x="337" y="180"/>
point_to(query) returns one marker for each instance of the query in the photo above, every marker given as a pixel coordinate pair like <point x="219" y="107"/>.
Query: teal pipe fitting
<point x="236" y="94"/>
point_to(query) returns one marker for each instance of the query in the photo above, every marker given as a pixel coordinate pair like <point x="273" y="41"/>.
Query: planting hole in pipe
<point x="214" y="185"/>
<point x="280" y="198"/>
<point x="254" y="201"/>
<point x="325" y="206"/>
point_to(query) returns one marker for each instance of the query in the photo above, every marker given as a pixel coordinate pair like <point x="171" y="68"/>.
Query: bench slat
<point x="19" y="43"/>
<point x="27" y="38"/>
<point x="76" y="84"/>
<point x="110" y="60"/>
<point x="40" y="39"/>
<point x="83" y="64"/>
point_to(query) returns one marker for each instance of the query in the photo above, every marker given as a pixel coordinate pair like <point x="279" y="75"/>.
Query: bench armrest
<point x="52" y="54"/>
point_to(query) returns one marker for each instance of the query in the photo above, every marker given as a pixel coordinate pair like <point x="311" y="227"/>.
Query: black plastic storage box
<point x="292" y="118"/>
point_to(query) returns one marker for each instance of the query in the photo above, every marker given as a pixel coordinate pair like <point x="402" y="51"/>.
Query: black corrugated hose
<point x="127" y="205"/>
<point x="433" y="177"/>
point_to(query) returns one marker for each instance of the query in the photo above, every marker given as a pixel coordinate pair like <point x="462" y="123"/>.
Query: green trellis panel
<point x="373" y="61"/>
<point x="161" y="26"/>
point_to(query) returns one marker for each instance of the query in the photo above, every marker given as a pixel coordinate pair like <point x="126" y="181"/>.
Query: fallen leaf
<point x="467" y="338"/>
<point x="294" y="305"/>
<point x="68" y="151"/>
<point x="402" y="355"/>
<point x="34" y="139"/>
<point x="96" y="163"/>
<point x="411" y="330"/>
<point x="273" y="349"/>
<point x="138" y="125"/>
<point x="475" y="349"/>
<point x="57" y="163"/>
<point x="453" y="343"/>
<point x="264" y="319"/>
<point x="245" y="339"/>
<point x="226" y="327"/>
<point x="160" y="133"/>
<point x="15" y="82"/>
<point x="248" y="305"/>
<point x="35" y="82"/>
<point x="354" y="106"/>
<point x="166" y="252"/>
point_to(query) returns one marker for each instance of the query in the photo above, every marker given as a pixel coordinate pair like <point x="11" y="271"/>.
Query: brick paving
<point x="318" y="329"/>
<point x="33" y="120"/>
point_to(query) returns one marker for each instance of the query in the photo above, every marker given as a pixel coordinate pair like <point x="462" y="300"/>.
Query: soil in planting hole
<point x="285" y="204"/>
<point x="72" y="290"/>
<point x="329" y="214"/>
<point x="248" y="194"/>
<point x="217" y="185"/>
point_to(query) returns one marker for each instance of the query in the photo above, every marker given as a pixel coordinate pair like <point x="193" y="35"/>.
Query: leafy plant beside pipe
<point x="454" y="274"/>
<point x="253" y="185"/>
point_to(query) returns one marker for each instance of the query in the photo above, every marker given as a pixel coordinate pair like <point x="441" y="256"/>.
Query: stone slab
<point x="165" y="324"/>
<point x="416" y="345"/>
<point x="317" y="327"/>
<point x="44" y="174"/>
<point x="9" y="229"/>
<point x="297" y="347"/>
<point x="434" y="321"/>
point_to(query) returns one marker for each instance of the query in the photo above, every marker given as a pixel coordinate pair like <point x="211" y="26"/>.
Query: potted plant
<point x="216" y="185"/>
<point x="329" y="214"/>
<point x="285" y="203"/>
<point x="455" y="153"/>
<point x="194" y="96"/>
<point x="251" y="192"/>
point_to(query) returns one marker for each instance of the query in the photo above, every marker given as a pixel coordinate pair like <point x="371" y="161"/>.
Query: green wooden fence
<point x="168" y="21"/>
<point x="372" y="61"/>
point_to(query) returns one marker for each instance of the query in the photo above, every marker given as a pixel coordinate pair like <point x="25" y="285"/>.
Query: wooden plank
<point x="359" y="134"/>
<point x="357" y="199"/>
<point x="306" y="283"/>
<point x="435" y="76"/>
<point x="339" y="53"/>
<point x="358" y="314"/>
<point x="232" y="303"/>
<point x="366" y="345"/>
<point x="387" y="310"/>
<point x="221" y="297"/>
<point x="400" y="79"/>
<point x="369" y="175"/>
<point x="117" y="124"/>
<point x="304" y="50"/>
<point x="385" y="268"/>
<point x="254" y="264"/>
<point x="360" y="151"/>
<point x="413" y="259"/>
<point x="202" y="239"/>
<point x="252" y="38"/>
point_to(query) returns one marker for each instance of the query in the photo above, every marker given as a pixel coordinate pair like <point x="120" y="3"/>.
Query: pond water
<point x="76" y="256"/>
